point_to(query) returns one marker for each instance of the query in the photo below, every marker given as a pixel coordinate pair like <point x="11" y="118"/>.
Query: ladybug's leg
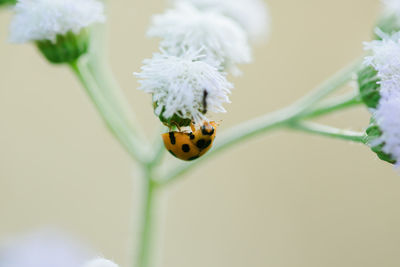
<point x="177" y="126"/>
<point x="192" y="127"/>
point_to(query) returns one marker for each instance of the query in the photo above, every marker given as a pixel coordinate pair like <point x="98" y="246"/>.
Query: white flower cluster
<point x="200" y="43"/>
<point x="251" y="15"/>
<point x="100" y="262"/>
<point x="48" y="248"/>
<point x="219" y="38"/>
<point x="391" y="6"/>
<point x="385" y="59"/>
<point x="181" y="85"/>
<point x="38" y="20"/>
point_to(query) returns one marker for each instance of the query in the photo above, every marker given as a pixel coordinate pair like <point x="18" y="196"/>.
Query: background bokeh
<point x="284" y="199"/>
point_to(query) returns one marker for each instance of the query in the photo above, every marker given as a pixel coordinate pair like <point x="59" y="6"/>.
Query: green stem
<point x="323" y="130"/>
<point x="338" y="103"/>
<point x="102" y="74"/>
<point x="271" y="121"/>
<point x="144" y="256"/>
<point x="108" y="114"/>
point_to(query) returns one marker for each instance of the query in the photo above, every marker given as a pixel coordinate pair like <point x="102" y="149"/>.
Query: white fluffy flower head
<point x="385" y="59"/>
<point x="252" y="15"/>
<point x="391" y="6"/>
<point x="220" y="39"/>
<point x="100" y="262"/>
<point x="387" y="116"/>
<point x="182" y="85"/>
<point x="37" y="20"/>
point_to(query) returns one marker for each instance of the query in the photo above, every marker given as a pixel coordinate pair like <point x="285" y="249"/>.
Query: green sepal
<point x="368" y="83"/>
<point x="7" y="2"/>
<point x="174" y="120"/>
<point x="389" y="24"/>
<point x="374" y="132"/>
<point x="66" y="49"/>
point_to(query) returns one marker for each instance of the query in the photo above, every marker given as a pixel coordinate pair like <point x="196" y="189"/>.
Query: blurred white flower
<point x="220" y="39"/>
<point x="385" y="59"/>
<point x="387" y="116"/>
<point x="252" y="15"/>
<point x="43" y="249"/>
<point x="38" y="20"/>
<point x="184" y="86"/>
<point x="391" y="6"/>
<point x="100" y="262"/>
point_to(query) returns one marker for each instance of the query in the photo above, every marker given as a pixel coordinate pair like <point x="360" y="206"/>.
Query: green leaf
<point x="374" y="132"/>
<point x="368" y="83"/>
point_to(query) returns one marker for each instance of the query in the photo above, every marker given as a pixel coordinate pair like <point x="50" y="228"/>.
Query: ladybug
<point x="189" y="146"/>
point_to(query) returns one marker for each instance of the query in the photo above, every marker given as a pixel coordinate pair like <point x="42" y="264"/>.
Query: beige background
<point x="286" y="199"/>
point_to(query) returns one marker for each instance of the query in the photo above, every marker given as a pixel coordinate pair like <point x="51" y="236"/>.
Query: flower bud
<point x="388" y="24"/>
<point x="368" y="84"/>
<point x="174" y="120"/>
<point x="58" y="27"/>
<point x="7" y="2"/>
<point x="67" y="48"/>
<point x="374" y="134"/>
<point x="183" y="88"/>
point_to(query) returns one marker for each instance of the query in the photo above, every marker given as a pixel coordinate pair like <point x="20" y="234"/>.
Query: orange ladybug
<point x="190" y="145"/>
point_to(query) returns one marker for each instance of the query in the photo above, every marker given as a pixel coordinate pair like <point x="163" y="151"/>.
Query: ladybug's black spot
<point x="200" y="143"/>
<point x="207" y="144"/>
<point x="191" y="135"/>
<point x="193" y="158"/>
<point x="173" y="154"/>
<point x="172" y="138"/>
<point x="206" y="131"/>
<point x="185" y="148"/>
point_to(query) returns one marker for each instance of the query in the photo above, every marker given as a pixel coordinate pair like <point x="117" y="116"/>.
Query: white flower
<point x="37" y="20"/>
<point x="391" y="6"/>
<point x="385" y="59"/>
<point x="387" y="116"/>
<point x="100" y="263"/>
<point x="184" y="85"/>
<point x="220" y="39"/>
<point x="252" y="15"/>
<point x="43" y="249"/>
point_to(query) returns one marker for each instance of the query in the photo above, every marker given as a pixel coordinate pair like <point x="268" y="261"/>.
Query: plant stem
<point x="146" y="225"/>
<point x="108" y="114"/>
<point x="99" y="67"/>
<point x="329" y="131"/>
<point x="254" y="127"/>
<point x="338" y="103"/>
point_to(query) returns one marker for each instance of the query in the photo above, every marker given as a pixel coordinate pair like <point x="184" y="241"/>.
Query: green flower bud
<point x="368" y="83"/>
<point x="373" y="133"/>
<point x="174" y="120"/>
<point x="67" y="48"/>
<point x="7" y="2"/>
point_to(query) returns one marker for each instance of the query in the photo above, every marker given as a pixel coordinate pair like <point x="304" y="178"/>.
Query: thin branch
<point x="329" y="131"/>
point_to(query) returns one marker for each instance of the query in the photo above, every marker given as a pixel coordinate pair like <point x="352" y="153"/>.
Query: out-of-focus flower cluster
<point x="58" y="27"/>
<point x="201" y="41"/>
<point x="380" y="89"/>
<point x="39" y="20"/>
<point x="48" y="248"/>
